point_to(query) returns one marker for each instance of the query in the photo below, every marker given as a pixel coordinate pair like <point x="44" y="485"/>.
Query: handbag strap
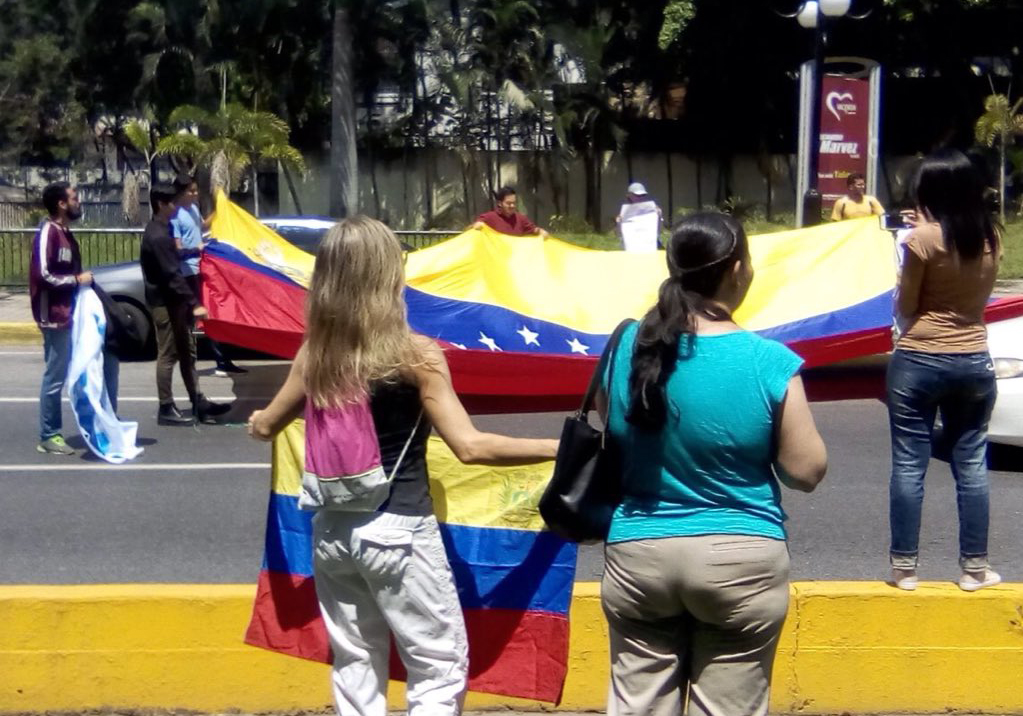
<point x="401" y="455"/>
<point x="607" y="355"/>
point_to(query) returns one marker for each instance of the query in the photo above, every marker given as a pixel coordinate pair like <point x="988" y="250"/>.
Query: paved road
<point x="192" y="508"/>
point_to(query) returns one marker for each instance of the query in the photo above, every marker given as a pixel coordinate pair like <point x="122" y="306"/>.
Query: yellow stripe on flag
<point x="235" y="226"/>
<point x="471" y="495"/>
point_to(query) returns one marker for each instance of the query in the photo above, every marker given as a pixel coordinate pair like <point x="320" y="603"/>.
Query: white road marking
<point x="138" y="466"/>
<point x="137" y="399"/>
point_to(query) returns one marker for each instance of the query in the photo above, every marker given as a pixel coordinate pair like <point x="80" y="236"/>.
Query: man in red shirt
<point x="505" y="219"/>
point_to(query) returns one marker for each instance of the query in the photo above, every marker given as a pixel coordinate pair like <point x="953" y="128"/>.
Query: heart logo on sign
<point x="833" y="99"/>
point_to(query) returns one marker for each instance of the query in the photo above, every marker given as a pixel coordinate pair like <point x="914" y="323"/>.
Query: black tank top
<point x="395" y="408"/>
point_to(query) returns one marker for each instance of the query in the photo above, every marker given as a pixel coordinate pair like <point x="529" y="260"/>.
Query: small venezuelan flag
<point x="514" y="579"/>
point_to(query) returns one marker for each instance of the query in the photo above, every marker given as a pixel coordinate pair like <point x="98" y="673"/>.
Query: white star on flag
<point x="488" y="342"/>
<point x="577" y="347"/>
<point x="459" y="345"/>
<point x="529" y="337"/>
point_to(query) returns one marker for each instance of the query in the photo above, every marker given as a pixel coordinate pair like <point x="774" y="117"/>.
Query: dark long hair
<point x="702" y="250"/>
<point x="949" y="187"/>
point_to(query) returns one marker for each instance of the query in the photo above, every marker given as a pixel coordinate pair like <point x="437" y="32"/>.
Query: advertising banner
<point x="844" y="134"/>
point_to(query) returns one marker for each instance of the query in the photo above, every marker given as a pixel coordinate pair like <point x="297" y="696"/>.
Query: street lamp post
<point x="814" y="14"/>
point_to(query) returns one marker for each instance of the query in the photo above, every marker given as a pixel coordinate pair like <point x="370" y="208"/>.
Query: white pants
<point x="379" y="574"/>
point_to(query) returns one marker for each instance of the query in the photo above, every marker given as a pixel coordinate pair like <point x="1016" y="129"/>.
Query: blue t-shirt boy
<point x="186" y="227"/>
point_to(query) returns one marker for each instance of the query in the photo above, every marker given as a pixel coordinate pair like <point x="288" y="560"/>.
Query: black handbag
<point x="587" y="483"/>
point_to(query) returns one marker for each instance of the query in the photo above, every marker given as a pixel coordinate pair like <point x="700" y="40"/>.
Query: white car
<point x="865" y="378"/>
<point x="1005" y="341"/>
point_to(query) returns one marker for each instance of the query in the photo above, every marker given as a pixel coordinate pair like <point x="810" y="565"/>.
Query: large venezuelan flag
<point x="525" y="317"/>
<point x="514" y="579"/>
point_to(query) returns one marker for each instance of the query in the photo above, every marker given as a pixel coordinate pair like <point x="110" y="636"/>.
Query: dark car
<point x="123" y="281"/>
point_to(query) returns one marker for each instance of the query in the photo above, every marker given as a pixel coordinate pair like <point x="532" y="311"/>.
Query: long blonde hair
<point x="357" y="328"/>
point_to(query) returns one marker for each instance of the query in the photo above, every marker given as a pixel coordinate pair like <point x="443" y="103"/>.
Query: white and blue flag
<point x="107" y="436"/>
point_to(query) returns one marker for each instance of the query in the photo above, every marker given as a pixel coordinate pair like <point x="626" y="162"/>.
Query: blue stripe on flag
<point x="873" y="313"/>
<point x="234" y="255"/>
<point x="493" y="567"/>
<point x="474" y="325"/>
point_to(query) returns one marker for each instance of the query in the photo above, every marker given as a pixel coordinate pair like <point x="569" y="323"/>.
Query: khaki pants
<point x="174" y="344"/>
<point x="697" y="617"/>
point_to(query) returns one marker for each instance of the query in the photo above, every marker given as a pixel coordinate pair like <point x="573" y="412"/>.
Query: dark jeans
<point x="175" y="344"/>
<point x="962" y="386"/>
<point x="56" y="361"/>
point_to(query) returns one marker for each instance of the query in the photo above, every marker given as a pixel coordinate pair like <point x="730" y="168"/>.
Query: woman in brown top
<point x="941" y="362"/>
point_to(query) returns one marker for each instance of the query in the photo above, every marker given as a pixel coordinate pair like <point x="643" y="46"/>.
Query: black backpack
<point x="124" y="337"/>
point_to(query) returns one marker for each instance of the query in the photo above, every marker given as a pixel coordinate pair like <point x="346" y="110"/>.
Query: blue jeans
<point x="962" y="386"/>
<point x="56" y="361"/>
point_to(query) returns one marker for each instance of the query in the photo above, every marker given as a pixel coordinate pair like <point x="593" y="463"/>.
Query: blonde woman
<point x="385" y="572"/>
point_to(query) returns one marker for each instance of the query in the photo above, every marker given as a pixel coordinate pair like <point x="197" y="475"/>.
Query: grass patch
<point x="1012" y="260"/>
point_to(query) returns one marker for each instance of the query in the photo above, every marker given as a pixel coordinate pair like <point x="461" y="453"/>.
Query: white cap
<point x="636" y="188"/>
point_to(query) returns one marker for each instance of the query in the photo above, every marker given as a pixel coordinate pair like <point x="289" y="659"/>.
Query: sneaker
<point x="225" y="369"/>
<point x="904" y="579"/>
<point x="972" y="581"/>
<point x="55" y="446"/>
<point x="170" y="415"/>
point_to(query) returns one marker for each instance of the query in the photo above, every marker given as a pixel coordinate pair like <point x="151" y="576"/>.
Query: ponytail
<point x="698" y="255"/>
<point x="656" y="354"/>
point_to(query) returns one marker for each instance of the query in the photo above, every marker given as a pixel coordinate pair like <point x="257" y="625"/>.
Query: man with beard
<point x="54" y="277"/>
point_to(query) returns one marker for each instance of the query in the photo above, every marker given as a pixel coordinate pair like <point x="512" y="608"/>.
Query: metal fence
<point x="98" y="214"/>
<point x="99" y="246"/>
<point x="107" y="246"/>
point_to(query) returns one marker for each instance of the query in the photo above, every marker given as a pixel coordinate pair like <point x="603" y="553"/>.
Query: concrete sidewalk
<point x="14" y="307"/>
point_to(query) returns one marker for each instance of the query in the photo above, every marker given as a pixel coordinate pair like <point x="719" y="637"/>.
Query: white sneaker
<point x="904" y="579"/>
<point x="972" y="581"/>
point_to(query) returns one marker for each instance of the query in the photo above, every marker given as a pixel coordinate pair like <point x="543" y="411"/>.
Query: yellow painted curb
<point x="19" y="333"/>
<point x="850" y="647"/>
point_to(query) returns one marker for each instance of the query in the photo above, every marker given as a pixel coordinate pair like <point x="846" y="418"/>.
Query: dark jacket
<point x="52" y="277"/>
<point x="161" y="269"/>
<point x="124" y="337"/>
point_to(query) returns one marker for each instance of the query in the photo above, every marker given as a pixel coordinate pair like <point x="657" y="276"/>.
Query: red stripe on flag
<point x="511" y="652"/>
<point x="252" y="310"/>
<point x="286" y="617"/>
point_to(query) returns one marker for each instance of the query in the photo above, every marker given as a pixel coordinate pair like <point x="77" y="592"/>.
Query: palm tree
<point x="141" y="135"/>
<point x="586" y="119"/>
<point x="344" y="176"/>
<point x="173" y="38"/>
<point x="241" y="136"/>
<point x="998" y="125"/>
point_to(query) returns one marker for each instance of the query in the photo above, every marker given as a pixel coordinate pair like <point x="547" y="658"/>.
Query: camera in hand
<point x="894" y="221"/>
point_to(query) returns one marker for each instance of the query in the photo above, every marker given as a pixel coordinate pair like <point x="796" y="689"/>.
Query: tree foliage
<point x="1000" y="124"/>
<point x="562" y="79"/>
<point x="241" y="136"/>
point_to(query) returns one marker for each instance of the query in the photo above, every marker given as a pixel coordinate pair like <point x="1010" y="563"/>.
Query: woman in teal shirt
<point x="709" y="419"/>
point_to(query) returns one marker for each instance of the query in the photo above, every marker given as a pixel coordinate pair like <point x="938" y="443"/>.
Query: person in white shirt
<point x="639" y="220"/>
